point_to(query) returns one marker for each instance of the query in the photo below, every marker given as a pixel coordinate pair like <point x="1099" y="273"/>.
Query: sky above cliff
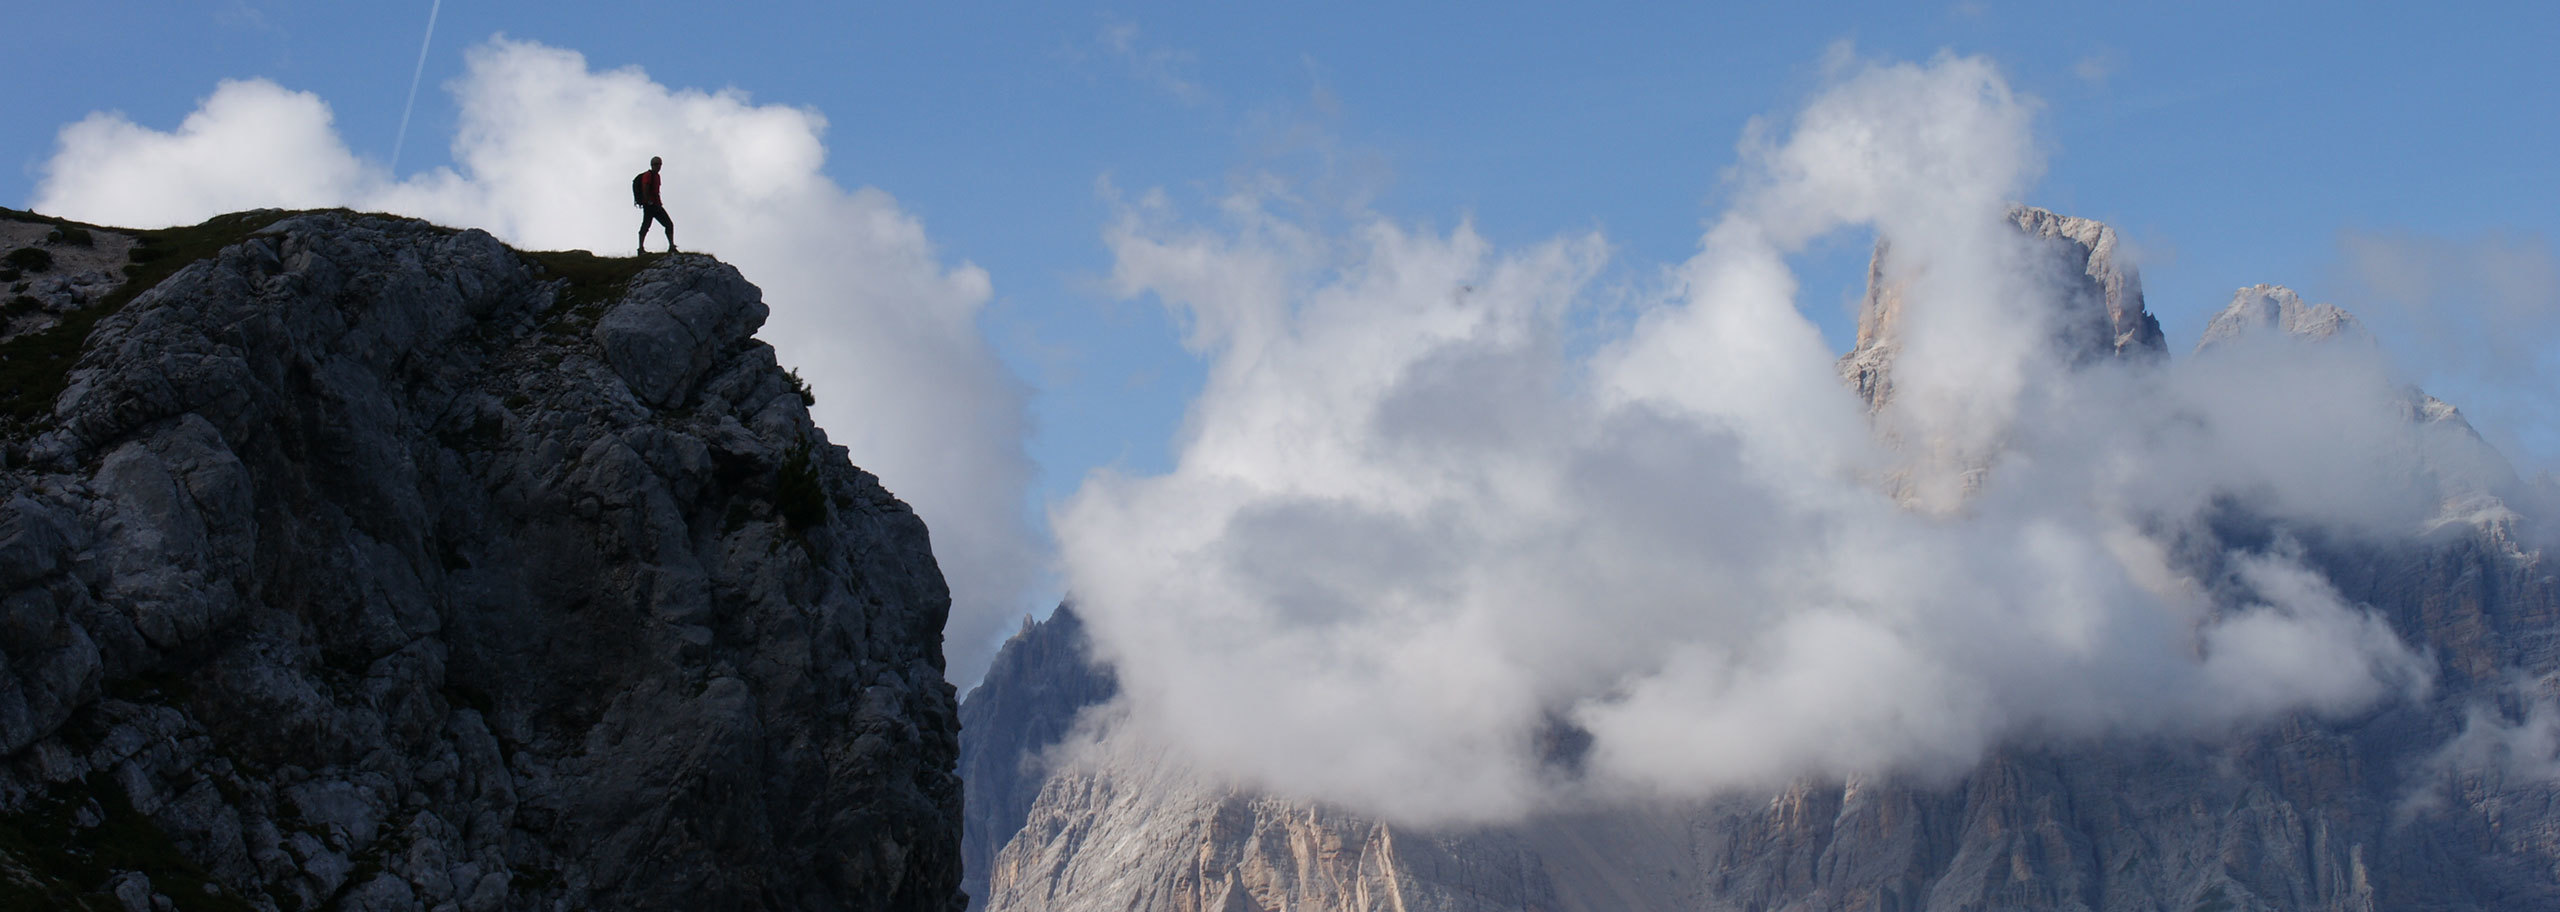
<point x="996" y="172"/>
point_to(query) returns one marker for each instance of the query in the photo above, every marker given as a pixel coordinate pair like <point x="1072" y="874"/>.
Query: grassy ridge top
<point x="35" y="368"/>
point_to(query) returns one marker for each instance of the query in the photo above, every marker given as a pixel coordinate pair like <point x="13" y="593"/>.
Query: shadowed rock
<point x="373" y="565"/>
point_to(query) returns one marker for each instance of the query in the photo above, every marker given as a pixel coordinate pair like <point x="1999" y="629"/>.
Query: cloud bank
<point x="1419" y="524"/>
<point x="863" y="305"/>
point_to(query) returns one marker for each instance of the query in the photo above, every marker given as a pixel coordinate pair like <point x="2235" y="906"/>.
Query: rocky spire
<point x="2099" y="309"/>
<point x="2263" y="308"/>
<point x="1042" y="678"/>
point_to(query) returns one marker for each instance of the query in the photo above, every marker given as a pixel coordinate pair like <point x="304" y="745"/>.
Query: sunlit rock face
<point x="367" y="564"/>
<point x="2441" y="799"/>
<point x="1027" y="704"/>
<point x="2099" y="297"/>
<point x="2277" y="309"/>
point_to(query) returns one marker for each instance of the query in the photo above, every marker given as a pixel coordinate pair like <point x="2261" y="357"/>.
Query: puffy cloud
<point x="251" y="143"/>
<point x="1419" y="524"/>
<point x="863" y="304"/>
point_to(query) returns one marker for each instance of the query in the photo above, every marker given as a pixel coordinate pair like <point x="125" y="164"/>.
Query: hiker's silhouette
<point x="644" y="193"/>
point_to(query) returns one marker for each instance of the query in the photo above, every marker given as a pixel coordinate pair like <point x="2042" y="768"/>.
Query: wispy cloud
<point x="2479" y="318"/>
<point x="1164" y="68"/>
<point x="2098" y="66"/>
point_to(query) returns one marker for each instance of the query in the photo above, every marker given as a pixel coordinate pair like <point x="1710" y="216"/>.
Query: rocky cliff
<point x="1027" y="703"/>
<point x="351" y="562"/>
<point x="2447" y="802"/>
<point x="2100" y="312"/>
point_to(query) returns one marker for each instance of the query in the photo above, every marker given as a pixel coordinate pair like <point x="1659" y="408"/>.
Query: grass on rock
<point x="34" y="368"/>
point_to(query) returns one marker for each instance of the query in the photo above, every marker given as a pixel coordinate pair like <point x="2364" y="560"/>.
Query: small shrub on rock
<point x="797" y="493"/>
<point x="31" y="259"/>
<point x="808" y="397"/>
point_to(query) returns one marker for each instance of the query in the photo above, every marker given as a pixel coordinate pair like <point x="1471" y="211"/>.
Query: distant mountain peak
<point x="2098" y="311"/>
<point x="2275" y="308"/>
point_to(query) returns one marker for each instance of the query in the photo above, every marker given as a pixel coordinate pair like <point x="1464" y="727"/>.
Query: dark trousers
<point x="656" y="213"/>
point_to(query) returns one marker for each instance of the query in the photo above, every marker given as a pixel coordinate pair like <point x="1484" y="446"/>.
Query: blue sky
<point x="2232" y="143"/>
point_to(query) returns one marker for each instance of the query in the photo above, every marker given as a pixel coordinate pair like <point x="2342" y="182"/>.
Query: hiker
<point x="644" y="193"/>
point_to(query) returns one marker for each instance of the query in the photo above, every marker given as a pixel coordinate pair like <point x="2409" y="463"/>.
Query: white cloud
<point x="250" y="144"/>
<point x="2097" y="67"/>
<point x="1154" y="65"/>
<point x="863" y="304"/>
<point x="1414" y="520"/>
<point x="2478" y="318"/>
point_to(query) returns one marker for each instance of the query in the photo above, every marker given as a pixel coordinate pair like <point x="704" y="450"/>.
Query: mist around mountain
<point x="1458" y="598"/>
<point x="2428" y="783"/>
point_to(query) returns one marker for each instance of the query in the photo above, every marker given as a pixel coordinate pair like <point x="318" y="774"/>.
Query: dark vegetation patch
<point x="35" y="367"/>
<point x="70" y="236"/>
<point x="808" y="397"/>
<point x="30" y="259"/>
<point x="592" y="283"/>
<point x="49" y="861"/>
<point x="797" y="494"/>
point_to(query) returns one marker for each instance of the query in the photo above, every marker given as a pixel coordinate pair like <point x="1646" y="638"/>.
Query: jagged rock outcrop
<point x="2449" y="801"/>
<point x="2275" y="308"/>
<point x="2101" y="314"/>
<point x="2458" y="461"/>
<point x="367" y="564"/>
<point x="1027" y="703"/>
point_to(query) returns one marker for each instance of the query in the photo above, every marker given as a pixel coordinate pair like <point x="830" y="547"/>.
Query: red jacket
<point x="649" y="189"/>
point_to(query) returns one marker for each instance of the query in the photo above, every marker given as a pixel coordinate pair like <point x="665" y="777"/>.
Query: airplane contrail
<point x="403" y="137"/>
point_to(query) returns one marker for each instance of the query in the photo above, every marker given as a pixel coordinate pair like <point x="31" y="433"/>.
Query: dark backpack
<point x="639" y="197"/>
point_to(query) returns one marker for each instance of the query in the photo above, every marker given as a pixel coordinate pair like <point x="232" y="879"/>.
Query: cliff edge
<point x="361" y="563"/>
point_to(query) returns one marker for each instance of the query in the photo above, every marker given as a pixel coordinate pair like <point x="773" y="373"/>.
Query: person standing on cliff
<point x="644" y="192"/>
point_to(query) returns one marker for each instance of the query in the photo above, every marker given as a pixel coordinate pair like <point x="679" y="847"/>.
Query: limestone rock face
<point x="1027" y="704"/>
<point x="369" y="565"/>
<point x="2104" y="316"/>
<point x="2098" y="312"/>
<point x="79" y="267"/>
<point x="2275" y="308"/>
